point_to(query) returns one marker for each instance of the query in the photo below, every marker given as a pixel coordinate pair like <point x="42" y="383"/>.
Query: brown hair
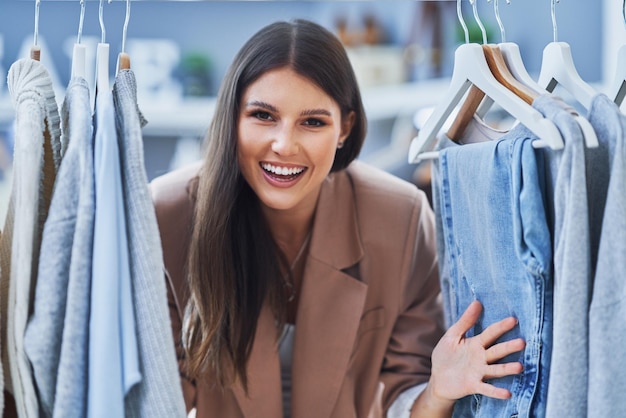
<point x="234" y="264"/>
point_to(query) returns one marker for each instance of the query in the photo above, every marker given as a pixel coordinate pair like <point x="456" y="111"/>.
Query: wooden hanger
<point x="123" y="59"/>
<point x="472" y="68"/>
<point x="475" y="102"/>
<point x="501" y="72"/>
<point x="501" y="69"/>
<point x="35" y="50"/>
<point x="512" y="64"/>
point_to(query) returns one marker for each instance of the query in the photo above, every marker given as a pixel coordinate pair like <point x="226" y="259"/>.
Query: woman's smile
<point x="289" y="130"/>
<point x="280" y="175"/>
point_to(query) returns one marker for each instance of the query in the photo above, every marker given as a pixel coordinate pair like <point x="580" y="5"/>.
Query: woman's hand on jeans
<point x="460" y="365"/>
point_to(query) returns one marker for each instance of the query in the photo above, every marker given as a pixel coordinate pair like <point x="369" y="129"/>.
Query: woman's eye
<point x="262" y="115"/>
<point x="314" y="122"/>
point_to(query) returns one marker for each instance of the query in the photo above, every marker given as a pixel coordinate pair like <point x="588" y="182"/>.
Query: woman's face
<point x="289" y="130"/>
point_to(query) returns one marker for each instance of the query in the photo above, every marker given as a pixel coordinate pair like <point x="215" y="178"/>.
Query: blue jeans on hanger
<point x="499" y="251"/>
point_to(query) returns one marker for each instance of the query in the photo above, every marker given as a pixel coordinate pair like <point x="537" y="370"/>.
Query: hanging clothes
<point x="475" y="132"/>
<point x="607" y="330"/>
<point x="113" y="357"/>
<point x="56" y="338"/>
<point x="36" y="160"/>
<point x="157" y="395"/>
<point x="497" y="183"/>
<point x="567" y="390"/>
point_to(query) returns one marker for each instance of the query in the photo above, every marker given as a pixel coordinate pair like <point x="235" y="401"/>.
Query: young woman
<point x="304" y="283"/>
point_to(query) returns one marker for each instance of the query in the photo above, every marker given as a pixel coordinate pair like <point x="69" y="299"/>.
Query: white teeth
<point x="283" y="171"/>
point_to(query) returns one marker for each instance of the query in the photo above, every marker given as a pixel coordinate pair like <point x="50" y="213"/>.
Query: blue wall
<point x="219" y="28"/>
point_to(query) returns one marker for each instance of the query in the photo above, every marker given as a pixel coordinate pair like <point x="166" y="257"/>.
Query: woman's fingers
<point x="500" y="370"/>
<point x="496" y="330"/>
<point x="493" y="391"/>
<point x="503" y="349"/>
<point x="467" y="320"/>
<point x="462" y="365"/>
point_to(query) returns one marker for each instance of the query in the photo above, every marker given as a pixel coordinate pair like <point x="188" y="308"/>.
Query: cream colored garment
<point x="35" y="162"/>
<point x="5" y="273"/>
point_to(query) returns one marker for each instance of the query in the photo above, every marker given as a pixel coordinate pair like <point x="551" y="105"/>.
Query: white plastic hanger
<point x="513" y="59"/>
<point x="476" y="103"/>
<point x="557" y="67"/>
<point x="619" y="83"/>
<point x="471" y="68"/>
<point x="79" y="51"/>
<point x="123" y="59"/>
<point x="102" y="57"/>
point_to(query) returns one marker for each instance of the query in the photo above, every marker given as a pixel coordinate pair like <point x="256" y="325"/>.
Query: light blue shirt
<point x="113" y="358"/>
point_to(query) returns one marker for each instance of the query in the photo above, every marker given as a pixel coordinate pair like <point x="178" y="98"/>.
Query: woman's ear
<point x="346" y="126"/>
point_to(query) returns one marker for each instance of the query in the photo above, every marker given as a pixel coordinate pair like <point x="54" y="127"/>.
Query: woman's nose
<point x="285" y="142"/>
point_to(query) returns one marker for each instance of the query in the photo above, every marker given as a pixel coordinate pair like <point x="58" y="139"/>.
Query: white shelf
<point x="191" y="117"/>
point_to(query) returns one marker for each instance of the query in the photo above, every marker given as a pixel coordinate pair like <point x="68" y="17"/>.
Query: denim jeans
<point x="498" y="251"/>
<point x="476" y="131"/>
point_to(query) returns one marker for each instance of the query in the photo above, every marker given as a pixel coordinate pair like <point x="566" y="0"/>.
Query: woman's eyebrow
<point x="264" y="105"/>
<point x="314" y="112"/>
<point x="307" y="112"/>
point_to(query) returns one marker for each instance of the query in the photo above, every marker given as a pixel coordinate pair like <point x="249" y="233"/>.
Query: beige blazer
<point x="369" y="313"/>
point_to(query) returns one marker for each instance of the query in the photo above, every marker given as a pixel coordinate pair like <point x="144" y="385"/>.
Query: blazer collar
<point x="328" y="317"/>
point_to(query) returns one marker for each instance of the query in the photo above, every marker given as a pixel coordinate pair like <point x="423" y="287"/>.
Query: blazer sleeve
<point x="188" y="385"/>
<point x="419" y="324"/>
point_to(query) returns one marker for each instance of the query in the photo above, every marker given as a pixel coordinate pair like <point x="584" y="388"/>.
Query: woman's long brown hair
<point x="234" y="264"/>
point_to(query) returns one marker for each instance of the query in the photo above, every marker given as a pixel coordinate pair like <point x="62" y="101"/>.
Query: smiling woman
<point x="301" y="282"/>
<point x="287" y="144"/>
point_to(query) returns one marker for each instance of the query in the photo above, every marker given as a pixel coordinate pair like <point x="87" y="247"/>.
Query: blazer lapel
<point x="329" y="313"/>
<point x="264" y="389"/>
<point x="331" y="303"/>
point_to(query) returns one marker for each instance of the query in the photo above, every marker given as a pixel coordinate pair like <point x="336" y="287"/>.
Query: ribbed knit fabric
<point x="37" y="155"/>
<point x="56" y="336"/>
<point x="158" y="394"/>
<point x="569" y="362"/>
<point x="607" y="330"/>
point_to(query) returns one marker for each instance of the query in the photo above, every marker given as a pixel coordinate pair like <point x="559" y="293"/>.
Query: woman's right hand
<point x="460" y="365"/>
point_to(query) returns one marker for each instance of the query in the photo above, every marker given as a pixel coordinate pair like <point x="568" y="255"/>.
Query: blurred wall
<point x="219" y="28"/>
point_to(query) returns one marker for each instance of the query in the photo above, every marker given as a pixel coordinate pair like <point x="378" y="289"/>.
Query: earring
<point x="340" y="145"/>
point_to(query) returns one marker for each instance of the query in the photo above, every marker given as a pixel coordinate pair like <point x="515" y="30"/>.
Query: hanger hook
<point x="496" y="10"/>
<point x="103" y="38"/>
<point x="36" y="34"/>
<point x="80" y="22"/>
<point x="624" y="11"/>
<point x="102" y="29"/>
<point x="459" y="14"/>
<point x="553" y="11"/>
<point x="478" y="21"/>
<point x="126" y="20"/>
